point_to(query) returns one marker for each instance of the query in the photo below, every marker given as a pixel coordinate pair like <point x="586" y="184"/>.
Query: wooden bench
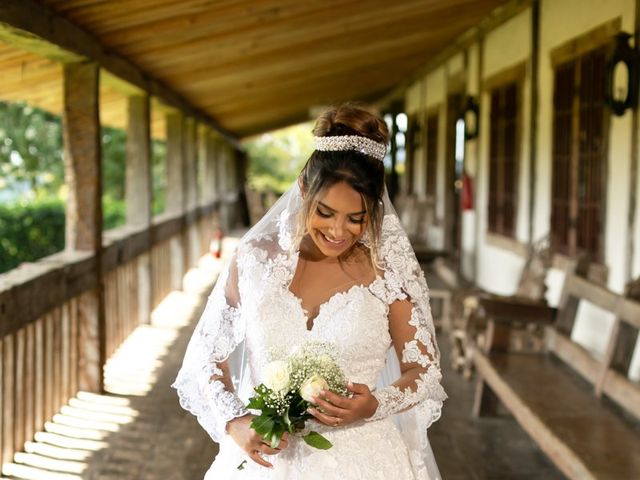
<point x="583" y="411"/>
<point x="470" y="314"/>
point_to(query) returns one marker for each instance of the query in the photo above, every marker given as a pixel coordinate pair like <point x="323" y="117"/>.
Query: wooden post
<point x="138" y="169"/>
<point x="190" y="185"/>
<point x="138" y="191"/>
<point x="175" y="168"/>
<point x="175" y="192"/>
<point x="207" y="145"/>
<point x="217" y="169"/>
<point x="190" y="165"/>
<point x="84" y="209"/>
<point x="533" y="115"/>
<point x="223" y="186"/>
<point x="7" y="398"/>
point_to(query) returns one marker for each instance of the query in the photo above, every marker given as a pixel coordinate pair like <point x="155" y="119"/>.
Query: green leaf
<point x="275" y="439"/>
<point x="255" y="403"/>
<point x="317" y="441"/>
<point x="263" y="425"/>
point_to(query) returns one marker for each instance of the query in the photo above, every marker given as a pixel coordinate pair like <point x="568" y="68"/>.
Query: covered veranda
<point x="91" y="337"/>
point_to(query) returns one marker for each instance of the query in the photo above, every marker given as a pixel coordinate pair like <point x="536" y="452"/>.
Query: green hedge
<point x="30" y="231"/>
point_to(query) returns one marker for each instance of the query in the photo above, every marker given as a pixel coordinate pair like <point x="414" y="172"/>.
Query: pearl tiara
<point x="357" y="143"/>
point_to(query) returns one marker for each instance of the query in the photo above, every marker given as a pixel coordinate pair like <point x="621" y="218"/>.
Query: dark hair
<point x="361" y="172"/>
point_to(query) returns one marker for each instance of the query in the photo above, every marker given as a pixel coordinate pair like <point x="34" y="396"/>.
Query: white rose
<point x="276" y="376"/>
<point x="312" y="387"/>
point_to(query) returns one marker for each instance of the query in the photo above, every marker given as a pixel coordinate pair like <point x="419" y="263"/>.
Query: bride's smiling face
<point x="338" y="220"/>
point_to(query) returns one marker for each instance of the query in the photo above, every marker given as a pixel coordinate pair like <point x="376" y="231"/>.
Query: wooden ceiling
<point x="256" y="65"/>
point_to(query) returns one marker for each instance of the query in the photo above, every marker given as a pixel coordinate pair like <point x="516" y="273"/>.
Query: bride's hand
<point x="338" y="410"/>
<point x="251" y="442"/>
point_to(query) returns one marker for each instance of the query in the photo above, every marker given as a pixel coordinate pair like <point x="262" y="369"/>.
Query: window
<point x="503" y="160"/>
<point x="579" y="155"/>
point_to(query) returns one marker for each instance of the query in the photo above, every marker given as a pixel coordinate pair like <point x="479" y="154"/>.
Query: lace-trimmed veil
<point x="219" y="337"/>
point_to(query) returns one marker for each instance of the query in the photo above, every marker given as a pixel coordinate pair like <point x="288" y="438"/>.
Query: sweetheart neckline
<point x="326" y="303"/>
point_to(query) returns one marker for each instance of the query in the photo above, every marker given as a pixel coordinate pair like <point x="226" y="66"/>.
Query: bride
<point x="329" y="262"/>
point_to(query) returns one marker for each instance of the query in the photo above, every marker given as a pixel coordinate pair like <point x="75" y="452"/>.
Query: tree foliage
<point x="32" y="184"/>
<point x="30" y="151"/>
<point x="275" y="159"/>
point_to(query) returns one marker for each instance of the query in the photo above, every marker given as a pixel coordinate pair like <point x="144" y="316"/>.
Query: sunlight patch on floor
<point x="84" y="429"/>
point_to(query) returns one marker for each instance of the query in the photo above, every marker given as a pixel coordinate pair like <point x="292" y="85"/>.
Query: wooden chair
<point x="473" y="307"/>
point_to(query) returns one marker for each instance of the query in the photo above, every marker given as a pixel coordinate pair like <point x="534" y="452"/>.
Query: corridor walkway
<point x="137" y="431"/>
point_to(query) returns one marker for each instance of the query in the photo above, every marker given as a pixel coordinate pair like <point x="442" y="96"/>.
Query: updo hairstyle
<point x="361" y="172"/>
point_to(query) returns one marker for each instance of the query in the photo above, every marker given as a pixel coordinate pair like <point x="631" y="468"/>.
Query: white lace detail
<point x="218" y="333"/>
<point x="405" y="279"/>
<point x="392" y="400"/>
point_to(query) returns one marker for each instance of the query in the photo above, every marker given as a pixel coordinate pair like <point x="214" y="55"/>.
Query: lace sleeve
<point x="205" y="389"/>
<point x="413" y="338"/>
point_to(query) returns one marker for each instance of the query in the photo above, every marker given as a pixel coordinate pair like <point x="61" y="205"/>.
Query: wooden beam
<point x="499" y="16"/>
<point x="561" y="454"/>
<point x="27" y="23"/>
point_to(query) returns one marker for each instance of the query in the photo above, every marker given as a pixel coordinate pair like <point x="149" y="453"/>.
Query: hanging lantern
<point x="622" y="76"/>
<point x="471" y="118"/>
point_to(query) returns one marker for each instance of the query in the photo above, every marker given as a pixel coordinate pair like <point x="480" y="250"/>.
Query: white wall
<point x="556" y="29"/>
<point x="505" y="47"/>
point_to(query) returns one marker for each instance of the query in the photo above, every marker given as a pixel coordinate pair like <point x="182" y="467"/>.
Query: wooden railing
<point x="41" y="335"/>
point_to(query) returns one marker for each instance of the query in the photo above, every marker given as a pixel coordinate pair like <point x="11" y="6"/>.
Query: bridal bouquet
<point x="288" y="390"/>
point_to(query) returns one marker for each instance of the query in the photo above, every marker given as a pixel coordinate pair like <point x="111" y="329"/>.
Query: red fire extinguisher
<point x="467" y="192"/>
<point x="215" y="247"/>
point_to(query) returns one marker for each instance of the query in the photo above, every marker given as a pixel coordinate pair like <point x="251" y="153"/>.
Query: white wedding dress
<point x="255" y="314"/>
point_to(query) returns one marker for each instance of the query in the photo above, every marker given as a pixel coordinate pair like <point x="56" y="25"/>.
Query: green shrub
<point x="29" y="231"/>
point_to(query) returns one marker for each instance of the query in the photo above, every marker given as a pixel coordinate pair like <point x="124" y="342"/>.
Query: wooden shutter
<point x="592" y="154"/>
<point x="579" y="155"/>
<point x="563" y="119"/>
<point x="503" y="160"/>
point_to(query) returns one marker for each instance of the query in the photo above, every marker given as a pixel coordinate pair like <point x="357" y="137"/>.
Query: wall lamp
<point x="622" y="75"/>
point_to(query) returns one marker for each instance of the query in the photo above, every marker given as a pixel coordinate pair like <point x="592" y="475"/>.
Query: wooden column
<point x="175" y="192"/>
<point x="217" y="169"/>
<point x="191" y="189"/>
<point x="209" y="170"/>
<point x="138" y="191"/>
<point x="533" y="115"/>
<point x="138" y="169"/>
<point x="191" y="164"/>
<point x="84" y="209"/>
<point x="224" y="186"/>
<point x="175" y="167"/>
